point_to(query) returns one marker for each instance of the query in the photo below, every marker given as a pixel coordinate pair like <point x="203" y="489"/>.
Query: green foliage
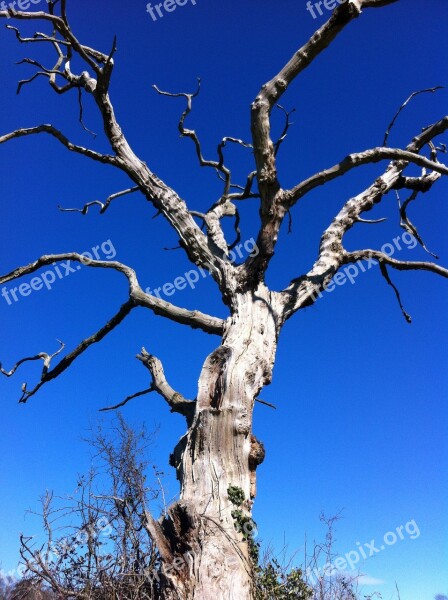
<point x="243" y="523"/>
<point x="236" y="495"/>
<point x="272" y="583"/>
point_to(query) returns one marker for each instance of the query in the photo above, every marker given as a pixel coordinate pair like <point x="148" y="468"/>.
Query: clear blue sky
<point x="361" y="395"/>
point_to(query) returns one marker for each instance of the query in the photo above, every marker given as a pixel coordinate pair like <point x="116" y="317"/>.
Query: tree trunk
<point x="207" y="536"/>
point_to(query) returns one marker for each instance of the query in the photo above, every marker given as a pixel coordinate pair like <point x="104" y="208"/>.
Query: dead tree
<point x="207" y="531"/>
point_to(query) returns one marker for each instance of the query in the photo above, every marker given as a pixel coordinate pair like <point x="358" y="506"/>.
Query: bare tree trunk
<point x="209" y="529"/>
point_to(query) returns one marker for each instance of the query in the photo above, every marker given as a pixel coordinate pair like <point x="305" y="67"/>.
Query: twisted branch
<point x="224" y="173"/>
<point x="406" y="223"/>
<point x="46" y="358"/>
<point x="385" y="274"/>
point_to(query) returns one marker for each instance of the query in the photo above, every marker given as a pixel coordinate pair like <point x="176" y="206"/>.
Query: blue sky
<point x="361" y="419"/>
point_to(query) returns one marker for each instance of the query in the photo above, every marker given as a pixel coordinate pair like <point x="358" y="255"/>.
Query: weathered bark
<point x="220" y="452"/>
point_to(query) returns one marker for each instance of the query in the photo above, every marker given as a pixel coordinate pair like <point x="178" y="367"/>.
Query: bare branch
<point x="232" y="140"/>
<point x="384" y="260"/>
<point x="406" y="223"/>
<point x="405" y="103"/>
<point x="47" y="358"/>
<point x="188" y="98"/>
<point x="358" y="159"/>
<point x="48" y="375"/>
<point x="237" y="229"/>
<point x="49" y="73"/>
<point x="247" y="190"/>
<point x="92" y="57"/>
<point x="285" y="129"/>
<point x="272" y="91"/>
<point x="51" y="130"/>
<point x="128" y="399"/>
<point x="193" y="318"/>
<point x="191" y="133"/>
<point x="273" y="209"/>
<point x="385" y="274"/>
<point x="399" y="265"/>
<point x="223" y="207"/>
<point x="419" y="184"/>
<point x="175" y="400"/>
<point x="62" y="66"/>
<point x="81" y="114"/>
<point x="266" y="403"/>
<point x="104" y="206"/>
<point x="303" y="291"/>
<point x="164" y="199"/>
<point x="49" y="259"/>
<point x="212" y="221"/>
<point x="371" y="221"/>
<point x="428" y="134"/>
<point x="289" y="221"/>
<point x="37" y="37"/>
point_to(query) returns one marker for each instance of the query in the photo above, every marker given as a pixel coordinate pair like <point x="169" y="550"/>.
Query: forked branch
<point x="384" y="260"/>
<point x="272" y="91"/>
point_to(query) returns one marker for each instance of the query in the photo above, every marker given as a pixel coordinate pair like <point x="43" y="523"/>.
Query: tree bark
<point x="209" y="531"/>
